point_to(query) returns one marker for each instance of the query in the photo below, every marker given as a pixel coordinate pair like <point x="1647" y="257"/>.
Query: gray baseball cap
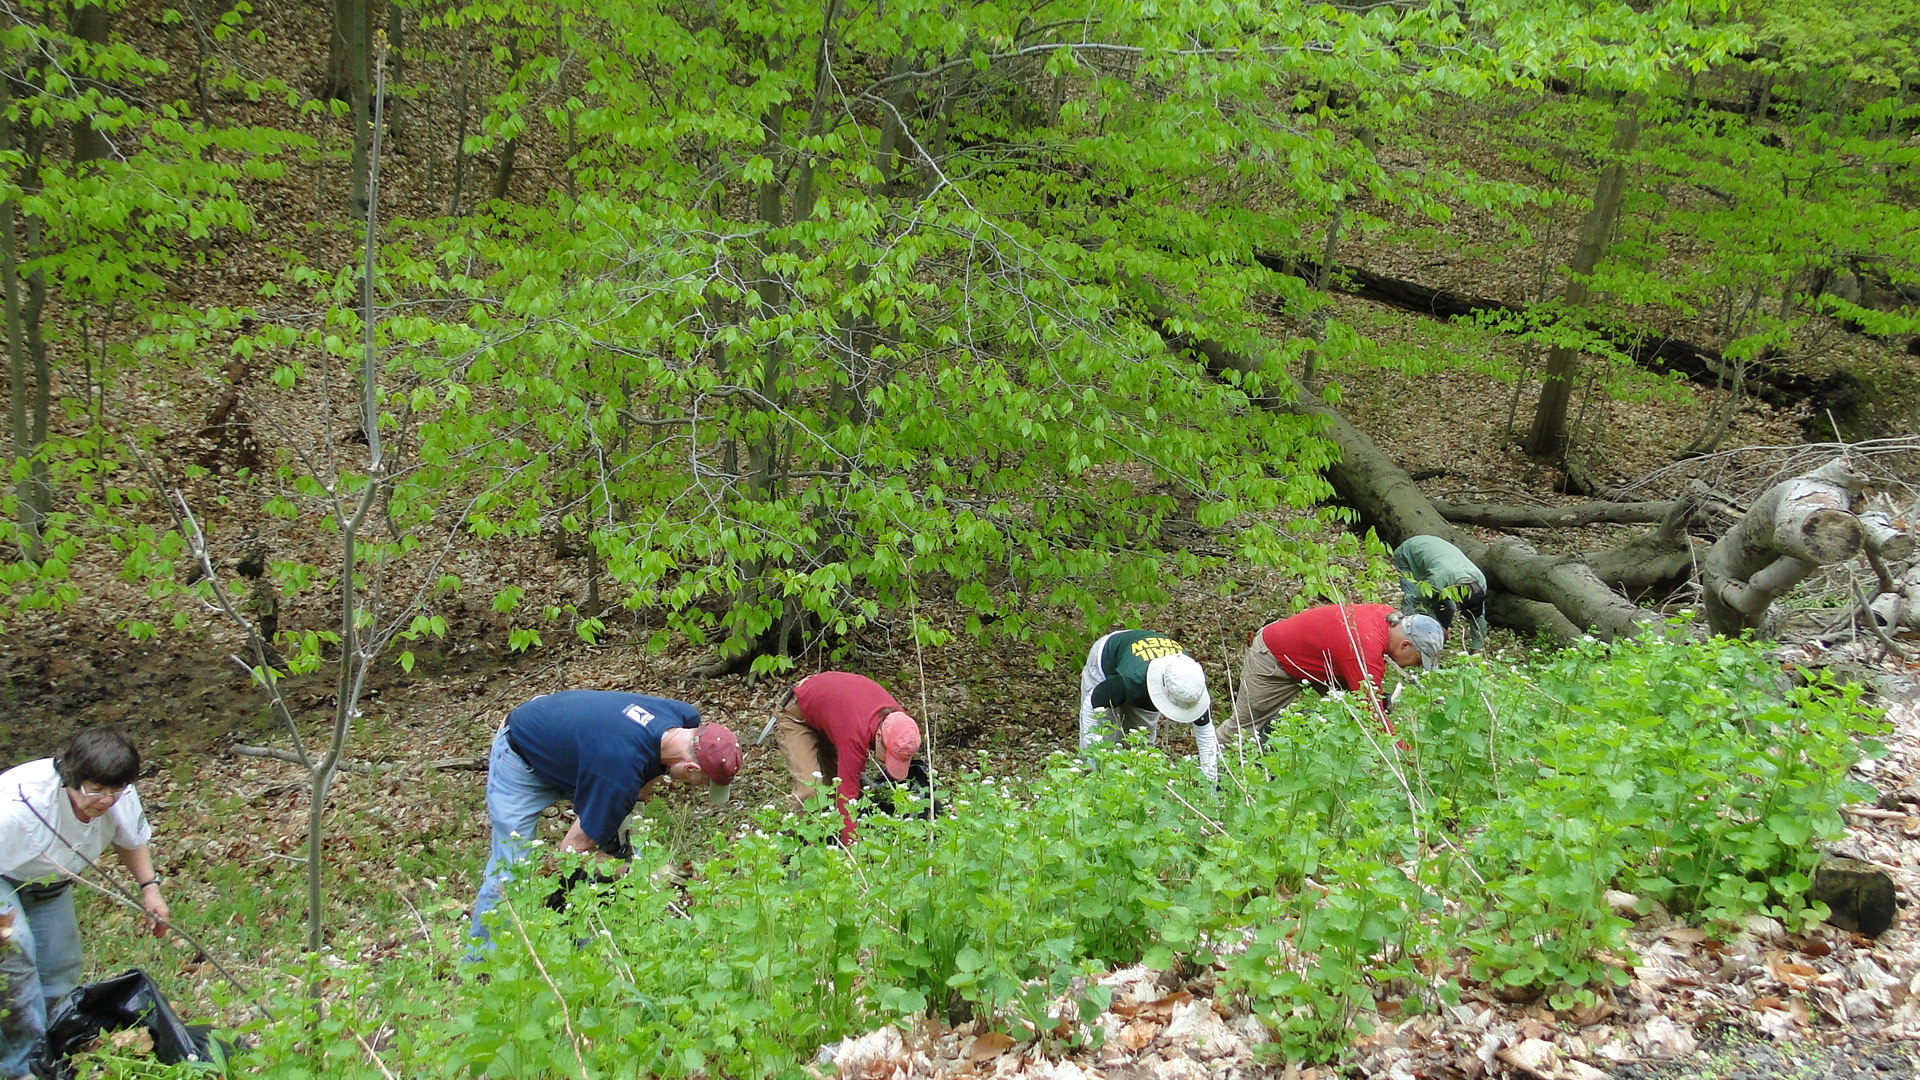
<point x="1427" y="636"/>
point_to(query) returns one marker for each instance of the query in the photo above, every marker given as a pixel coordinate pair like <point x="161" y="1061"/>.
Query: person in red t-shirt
<point x="832" y="723"/>
<point x="1330" y="647"/>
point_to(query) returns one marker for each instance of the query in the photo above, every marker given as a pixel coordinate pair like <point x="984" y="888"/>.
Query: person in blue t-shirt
<point x="603" y="749"/>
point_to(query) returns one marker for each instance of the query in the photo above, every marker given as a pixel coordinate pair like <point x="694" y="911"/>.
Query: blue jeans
<point x="515" y="797"/>
<point x="39" y="968"/>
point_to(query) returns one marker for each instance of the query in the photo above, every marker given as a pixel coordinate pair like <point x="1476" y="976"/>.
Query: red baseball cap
<point x="899" y="741"/>
<point x="717" y="751"/>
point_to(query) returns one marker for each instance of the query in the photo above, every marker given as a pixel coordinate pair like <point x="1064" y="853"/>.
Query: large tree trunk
<point x="350" y="78"/>
<point x="89" y="23"/>
<point x="1548" y="438"/>
<point x="23" y="292"/>
<point x="1794" y="528"/>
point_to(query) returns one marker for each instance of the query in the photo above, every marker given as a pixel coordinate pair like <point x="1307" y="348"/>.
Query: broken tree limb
<point x="1503" y="516"/>
<point x="1713" y="508"/>
<point x="370" y="768"/>
<point x="1838" y="391"/>
<point x="1386" y="498"/>
<point x="1886" y="536"/>
<point x="291" y="758"/>
<point x="1792" y="529"/>
<point x="1898" y="608"/>
<point x="1888" y="645"/>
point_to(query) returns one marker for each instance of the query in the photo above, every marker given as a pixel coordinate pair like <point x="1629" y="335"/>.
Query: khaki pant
<point x="808" y="753"/>
<point x="1264" y="690"/>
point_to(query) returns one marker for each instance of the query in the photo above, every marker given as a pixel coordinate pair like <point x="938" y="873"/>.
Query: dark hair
<point x="101" y="756"/>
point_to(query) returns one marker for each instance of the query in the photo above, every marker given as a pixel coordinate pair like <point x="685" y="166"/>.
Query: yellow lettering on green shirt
<point x="1153" y="648"/>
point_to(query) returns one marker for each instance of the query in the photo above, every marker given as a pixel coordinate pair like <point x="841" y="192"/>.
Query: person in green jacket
<point x="1132" y="678"/>
<point x="1438" y="579"/>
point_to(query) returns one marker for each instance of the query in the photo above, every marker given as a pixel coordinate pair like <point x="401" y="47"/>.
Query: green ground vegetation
<point x="1331" y="876"/>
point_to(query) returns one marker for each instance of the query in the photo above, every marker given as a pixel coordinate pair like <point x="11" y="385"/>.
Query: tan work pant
<point x="811" y="758"/>
<point x="1264" y="690"/>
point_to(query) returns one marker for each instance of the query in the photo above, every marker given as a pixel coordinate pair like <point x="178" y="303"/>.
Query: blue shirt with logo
<point x="603" y="746"/>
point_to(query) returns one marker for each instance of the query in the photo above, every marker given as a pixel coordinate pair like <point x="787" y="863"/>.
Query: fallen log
<point x="1838" y="392"/>
<point x="1574" y="600"/>
<point x="1529" y="617"/>
<point x="1655" y="563"/>
<point x="1793" y="528"/>
<point x="1507" y="516"/>
<point x="1369" y="481"/>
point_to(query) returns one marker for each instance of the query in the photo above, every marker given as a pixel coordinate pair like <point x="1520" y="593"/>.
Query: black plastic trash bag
<point x="127" y="1000"/>
<point x="561" y="897"/>
<point x="877" y="789"/>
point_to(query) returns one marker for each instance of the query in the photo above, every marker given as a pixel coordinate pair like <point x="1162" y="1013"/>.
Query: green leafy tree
<point x="104" y="193"/>
<point x="832" y="303"/>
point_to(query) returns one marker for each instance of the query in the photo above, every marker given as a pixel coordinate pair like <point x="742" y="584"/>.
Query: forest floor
<point x="408" y="831"/>
<point x="1761" y="1003"/>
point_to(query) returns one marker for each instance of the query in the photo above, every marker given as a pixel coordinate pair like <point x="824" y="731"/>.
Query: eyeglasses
<point x="89" y="791"/>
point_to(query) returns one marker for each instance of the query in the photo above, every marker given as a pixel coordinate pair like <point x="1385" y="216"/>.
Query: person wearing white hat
<point x="1132" y="678"/>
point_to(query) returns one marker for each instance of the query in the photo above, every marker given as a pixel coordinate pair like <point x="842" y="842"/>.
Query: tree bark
<point x="24" y="295"/>
<point x="1504" y="516"/>
<point x="350" y="78"/>
<point x="768" y="449"/>
<point x="89" y="24"/>
<point x="349" y="50"/>
<point x="1547" y="440"/>
<point x="1886" y="536"/>
<point x="1791" y="530"/>
<point x="1310" y="364"/>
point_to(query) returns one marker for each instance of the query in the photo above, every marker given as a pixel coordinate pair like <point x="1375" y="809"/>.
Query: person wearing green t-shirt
<point x="1132" y="678"/>
<point x="1437" y="579"/>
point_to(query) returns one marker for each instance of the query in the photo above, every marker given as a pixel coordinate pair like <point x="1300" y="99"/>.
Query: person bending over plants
<point x="1132" y="678"/>
<point x="603" y="749"/>
<point x="831" y="725"/>
<point x="1439" y="581"/>
<point x="1330" y="647"/>
<point x="57" y="815"/>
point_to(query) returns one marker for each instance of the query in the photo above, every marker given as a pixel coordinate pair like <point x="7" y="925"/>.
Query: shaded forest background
<point x="767" y="325"/>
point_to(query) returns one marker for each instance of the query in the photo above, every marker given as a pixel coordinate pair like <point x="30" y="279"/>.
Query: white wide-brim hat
<point x="1178" y="688"/>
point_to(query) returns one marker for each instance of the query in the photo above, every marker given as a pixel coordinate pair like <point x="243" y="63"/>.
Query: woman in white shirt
<point x="57" y="816"/>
